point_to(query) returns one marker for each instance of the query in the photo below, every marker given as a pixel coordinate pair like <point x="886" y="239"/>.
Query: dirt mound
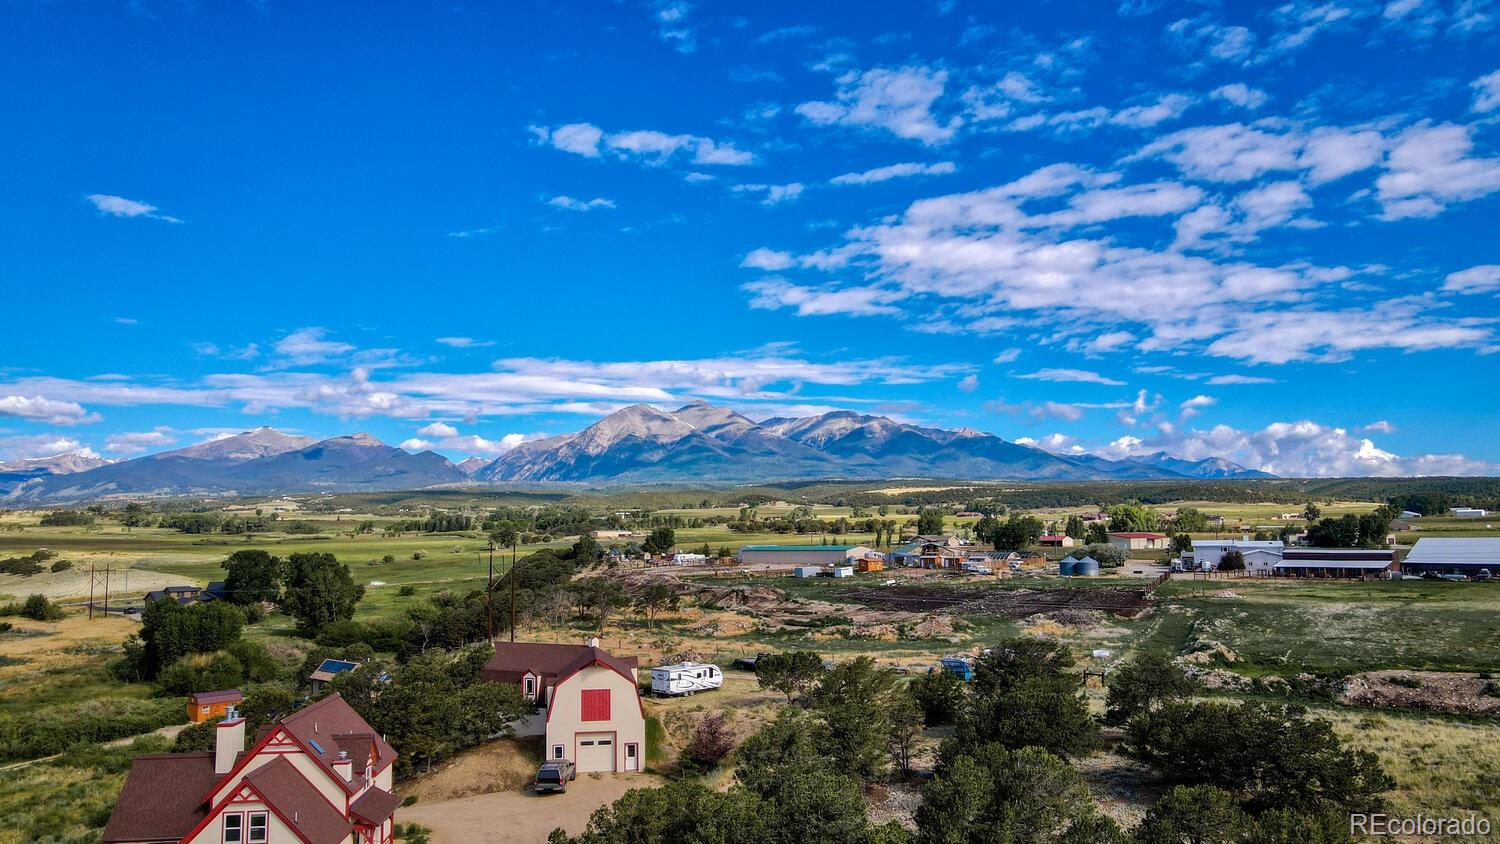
<point x="501" y="765"/>
<point x="1437" y="691"/>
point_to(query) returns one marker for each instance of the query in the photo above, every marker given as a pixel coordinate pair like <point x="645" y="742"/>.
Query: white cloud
<point x="571" y="204"/>
<point x="1429" y="167"/>
<point x="1167" y="107"/>
<point x="1193" y="406"/>
<point x="1233" y="44"/>
<point x="1076" y="375"/>
<point x="42" y="409"/>
<point x="1109" y="341"/>
<point x="643" y="146"/>
<point x="899" y="101"/>
<point x="1484" y="278"/>
<point x="1331" y="154"/>
<point x="415" y="444"/>
<point x="306" y="346"/>
<point x="1221" y="380"/>
<point x="1229" y="153"/>
<point x="775" y="293"/>
<point x="673" y="27"/>
<point x="1008" y="356"/>
<point x="136" y="442"/>
<point x="1240" y="94"/>
<point x="437" y="429"/>
<point x="1487" y="92"/>
<point x="774" y="194"/>
<point x="894" y="171"/>
<point x="768" y="259"/>
<point x="41" y="445"/>
<point x="464" y="342"/>
<point x="969" y="383"/>
<point x="1379" y="427"/>
<point x="119" y="206"/>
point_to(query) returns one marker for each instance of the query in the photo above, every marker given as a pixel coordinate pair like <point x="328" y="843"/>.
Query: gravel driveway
<point x="520" y="817"/>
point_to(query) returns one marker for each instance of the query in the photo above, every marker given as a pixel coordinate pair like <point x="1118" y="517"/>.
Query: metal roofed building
<point x="1448" y="555"/>
<point x="800" y="555"/>
<point x="1335" y="562"/>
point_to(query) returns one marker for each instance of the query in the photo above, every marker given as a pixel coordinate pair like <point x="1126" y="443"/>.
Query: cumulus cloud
<point x="1484" y="278"/>
<point x="775" y="293"/>
<point x="570" y="204"/>
<point x="30" y="446"/>
<point x="643" y="146"/>
<point x="896" y="100"/>
<point x="464" y="342"/>
<point x="1430" y="167"/>
<point x="1379" y="426"/>
<point x="894" y="171"/>
<point x="1487" y="92"/>
<point x="307" y="346"/>
<point x="136" y="442"/>
<point x="1240" y="94"/>
<point x="437" y="429"/>
<point x="119" y="206"/>
<point x="772" y="194"/>
<point x="1195" y="405"/>
<point x="1008" y="355"/>
<point x="42" y="409"/>
<point x="969" y="383"/>
<point x="768" y="259"/>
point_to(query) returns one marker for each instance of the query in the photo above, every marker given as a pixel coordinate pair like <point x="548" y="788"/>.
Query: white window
<point x="258" y="829"/>
<point x="531" y="687"/>
<point x="234" y="828"/>
<point x="557" y="751"/>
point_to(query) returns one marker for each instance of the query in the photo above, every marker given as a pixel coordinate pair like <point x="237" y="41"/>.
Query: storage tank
<point x="1087" y="568"/>
<point x="1066" y="566"/>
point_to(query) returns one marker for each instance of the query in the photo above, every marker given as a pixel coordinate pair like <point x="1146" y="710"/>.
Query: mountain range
<point x="697" y="442"/>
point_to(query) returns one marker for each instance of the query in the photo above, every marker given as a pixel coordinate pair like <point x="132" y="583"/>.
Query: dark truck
<point x="554" y="775"/>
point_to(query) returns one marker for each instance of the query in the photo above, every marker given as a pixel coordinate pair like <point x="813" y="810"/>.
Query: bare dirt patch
<point x="1437" y="691"/>
<point x="1122" y="788"/>
<point x="501" y="765"/>
<point x="1015" y="603"/>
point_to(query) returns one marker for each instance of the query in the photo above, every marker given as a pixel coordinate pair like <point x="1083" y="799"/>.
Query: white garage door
<point x="596" y="752"/>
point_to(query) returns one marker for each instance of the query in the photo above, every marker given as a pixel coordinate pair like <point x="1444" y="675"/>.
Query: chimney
<point x="229" y="740"/>
<point x="591" y="641"/>
<point x="344" y="766"/>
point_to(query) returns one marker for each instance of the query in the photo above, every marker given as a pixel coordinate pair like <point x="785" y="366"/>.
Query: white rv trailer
<point x="685" y="678"/>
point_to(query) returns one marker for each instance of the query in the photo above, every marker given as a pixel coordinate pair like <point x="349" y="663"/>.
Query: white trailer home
<point x="685" y="678"/>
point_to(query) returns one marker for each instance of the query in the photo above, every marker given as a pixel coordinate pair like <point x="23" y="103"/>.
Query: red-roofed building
<point x="589" y="704"/>
<point x="318" y="776"/>
<point x="1055" y="541"/>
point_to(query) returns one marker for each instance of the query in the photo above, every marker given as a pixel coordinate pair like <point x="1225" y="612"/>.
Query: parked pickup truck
<point x="554" y="775"/>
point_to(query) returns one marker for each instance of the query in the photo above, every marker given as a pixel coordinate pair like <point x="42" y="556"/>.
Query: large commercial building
<point x="1449" y="555"/>
<point x="1335" y="562"/>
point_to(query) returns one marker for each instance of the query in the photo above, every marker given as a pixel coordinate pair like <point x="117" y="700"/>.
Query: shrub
<point x="417" y="555"/>
<point x="1405" y="681"/>
<point x="196" y="738"/>
<point x="67" y="518"/>
<point x="940" y="695"/>
<point x="37" y="608"/>
<point x="1490" y="689"/>
<point x="388" y="558"/>
<point x="56" y="729"/>
<point x="202" y="673"/>
<point x="62" y="565"/>
<point x="407" y="591"/>
<point x="712" y="740"/>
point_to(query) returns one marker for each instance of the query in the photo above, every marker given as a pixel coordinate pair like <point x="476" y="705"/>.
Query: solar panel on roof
<point x="317" y="747"/>
<point x="334" y="666"/>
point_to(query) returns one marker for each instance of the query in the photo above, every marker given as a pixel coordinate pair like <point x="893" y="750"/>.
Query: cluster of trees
<point x="1014" y="534"/>
<point x="436" y="522"/>
<point x="1350" y="531"/>
<point x="67" y="518"/>
<point x="36" y="608"/>
<point x="30" y="564"/>
<point x="314" y="588"/>
<point x="1428" y="503"/>
<point x="1133" y="516"/>
<point x="432" y="706"/>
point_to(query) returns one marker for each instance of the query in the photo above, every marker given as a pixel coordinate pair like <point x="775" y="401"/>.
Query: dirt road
<point x="520" y="817"/>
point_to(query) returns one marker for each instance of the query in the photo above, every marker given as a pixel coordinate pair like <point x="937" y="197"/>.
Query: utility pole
<point x="513" y="591"/>
<point x="91" y="591"/>
<point x="106" y="591"/>
<point x="489" y="596"/>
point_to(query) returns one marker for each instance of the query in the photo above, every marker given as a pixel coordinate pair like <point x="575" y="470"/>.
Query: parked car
<point x="1483" y="574"/>
<point x="554" y="775"/>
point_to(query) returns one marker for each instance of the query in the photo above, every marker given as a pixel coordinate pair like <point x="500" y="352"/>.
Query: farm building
<point x="1055" y="541"/>
<point x="1469" y="512"/>
<point x="184" y="595"/>
<point x="611" y="534"/>
<point x="951" y="540"/>
<point x="584" y="695"/>
<point x="869" y="563"/>
<point x="1138" y="541"/>
<point x="801" y="555"/>
<point x="1334" y="562"/>
<point x="320" y="774"/>
<point x="928" y="555"/>
<point x="1260" y="555"/>
<point x="1454" y="555"/>
<point x="206" y="706"/>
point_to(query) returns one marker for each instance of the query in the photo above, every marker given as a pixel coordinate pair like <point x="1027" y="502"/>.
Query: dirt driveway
<point x="520" y="817"/>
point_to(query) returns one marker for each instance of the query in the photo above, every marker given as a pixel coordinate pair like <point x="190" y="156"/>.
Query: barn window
<point x="596" y="704"/>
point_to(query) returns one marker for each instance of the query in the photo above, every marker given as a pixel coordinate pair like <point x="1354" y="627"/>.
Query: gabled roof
<point x="375" y="805"/>
<point x="162" y="799"/>
<point x="330" y="725"/>
<point x="225" y="696"/>
<point x="299" y="804"/>
<point x="514" y="660"/>
<point x="1138" y="535"/>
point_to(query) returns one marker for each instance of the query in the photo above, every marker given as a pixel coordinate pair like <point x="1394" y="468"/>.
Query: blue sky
<point x="1267" y="233"/>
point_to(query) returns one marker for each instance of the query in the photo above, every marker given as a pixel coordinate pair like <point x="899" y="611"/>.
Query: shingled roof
<point x="298" y="803"/>
<point x="162" y="799"/>
<point x="331" y="725"/>
<point x="513" y="660"/>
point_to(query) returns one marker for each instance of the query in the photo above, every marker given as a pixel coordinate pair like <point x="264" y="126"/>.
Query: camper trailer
<point x="685" y="678"/>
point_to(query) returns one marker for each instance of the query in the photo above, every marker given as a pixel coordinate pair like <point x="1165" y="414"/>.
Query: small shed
<point x="206" y="706"/>
<point x="843" y="571"/>
<point x="327" y="670"/>
<point x="807" y="571"/>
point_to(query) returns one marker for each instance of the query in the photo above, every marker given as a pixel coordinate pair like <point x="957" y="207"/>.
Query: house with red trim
<point x="588" y="702"/>
<point x="320" y="775"/>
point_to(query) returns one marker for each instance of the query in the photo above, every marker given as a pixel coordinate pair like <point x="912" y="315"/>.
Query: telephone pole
<point x="91" y="591"/>
<point x="489" y="596"/>
<point x="513" y="591"/>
